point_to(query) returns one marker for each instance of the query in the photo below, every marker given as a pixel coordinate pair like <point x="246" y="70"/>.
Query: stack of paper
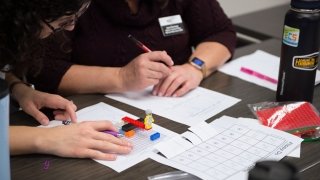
<point x="226" y="148"/>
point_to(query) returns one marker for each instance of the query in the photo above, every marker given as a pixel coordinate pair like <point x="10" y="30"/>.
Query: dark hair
<point x="20" y="28"/>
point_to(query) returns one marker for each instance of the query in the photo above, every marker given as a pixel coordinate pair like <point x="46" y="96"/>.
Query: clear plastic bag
<point x="298" y="118"/>
<point x="174" y="175"/>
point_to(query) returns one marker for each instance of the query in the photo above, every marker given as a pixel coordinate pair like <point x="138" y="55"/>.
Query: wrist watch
<point x="199" y="64"/>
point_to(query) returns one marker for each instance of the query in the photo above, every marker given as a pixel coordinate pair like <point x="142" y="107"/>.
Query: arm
<point x="31" y="101"/>
<point x="143" y="71"/>
<point x="214" y="55"/>
<point x="82" y="140"/>
<point x="213" y="35"/>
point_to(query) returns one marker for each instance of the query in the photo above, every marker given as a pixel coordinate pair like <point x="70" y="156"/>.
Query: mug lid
<point x="305" y="4"/>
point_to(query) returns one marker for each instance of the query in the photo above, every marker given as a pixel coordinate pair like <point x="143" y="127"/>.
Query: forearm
<point x="24" y="140"/>
<point x="19" y="90"/>
<point x="213" y="54"/>
<point x="90" y="79"/>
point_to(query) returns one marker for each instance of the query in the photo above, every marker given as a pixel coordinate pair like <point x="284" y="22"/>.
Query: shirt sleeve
<point x="55" y="63"/>
<point x="207" y="22"/>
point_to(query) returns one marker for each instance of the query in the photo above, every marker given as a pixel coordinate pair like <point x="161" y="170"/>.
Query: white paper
<point x="193" y="138"/>
<point x="233" y="151"/>
<point x="142" y="146"/>
<point x="140" y="153"/>
<point x="196" y="106"/>
<point x="259" y="61"/>
<point x="173" y="147"/>
<point x="203" y="131"/>
<point x="294" y="153"/>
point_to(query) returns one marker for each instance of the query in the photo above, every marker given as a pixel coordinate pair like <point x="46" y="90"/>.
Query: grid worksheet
<point x="234" y="148"/>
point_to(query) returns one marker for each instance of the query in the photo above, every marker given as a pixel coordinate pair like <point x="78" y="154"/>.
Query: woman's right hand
<point x="83" y="140"/>
<point x="145" y="70"/>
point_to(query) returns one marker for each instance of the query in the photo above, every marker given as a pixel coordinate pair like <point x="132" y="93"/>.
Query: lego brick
<point x="155" y="136"/>
<point x="133" y="122"/>
<point x="129" y="133"/>
<point x="127" y="127"/>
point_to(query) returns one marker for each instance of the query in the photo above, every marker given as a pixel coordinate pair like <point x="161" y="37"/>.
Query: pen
<point x="258" y="75"/>
<point x="113" y="133"/>
<point x="139" y="44"/>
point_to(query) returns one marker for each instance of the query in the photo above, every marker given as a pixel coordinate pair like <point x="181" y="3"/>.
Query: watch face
<point x="198" y="62"/>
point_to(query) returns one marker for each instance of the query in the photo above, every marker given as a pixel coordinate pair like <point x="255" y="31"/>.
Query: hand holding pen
<point x="145" y="70"/>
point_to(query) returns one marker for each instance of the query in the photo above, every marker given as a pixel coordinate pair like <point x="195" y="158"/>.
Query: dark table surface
<point x="262" y="24"/>
<point x="31" y="166"/>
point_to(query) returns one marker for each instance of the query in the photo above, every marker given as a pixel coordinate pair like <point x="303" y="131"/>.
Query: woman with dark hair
<point x="23" y="23"/>
<point x="117" y="65"/>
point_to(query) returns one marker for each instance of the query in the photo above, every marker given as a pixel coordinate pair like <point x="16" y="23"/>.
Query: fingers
<point x="96" y="154"/>
<point x="156" y="88"/>
<point x="168" y="86"/>
<point x="160" y="56"/>
<point x="71" y="111"/>
<point x="110" y="138"/>
<point x="61" y="115"/>
<point x="156" y="73"/>
<point x="66" y="108"/>
<point x="106" y="142"/>
<point x="158" y="63"/>
<point x="38" y="115"/>
<point x="145" y="70"/>
<point x="182" y="90"/>
<point x="85" y="140"/>
<point x="178" y="83"/>
<point x="157" y="68"/>
<point x="101" y="125"/>
<point x="110" y="147"/>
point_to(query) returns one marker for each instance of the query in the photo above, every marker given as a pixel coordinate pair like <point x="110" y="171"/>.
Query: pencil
<point x="139" y="44"/>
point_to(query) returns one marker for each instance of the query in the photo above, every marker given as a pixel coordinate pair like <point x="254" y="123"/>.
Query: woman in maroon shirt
<point x="104" y="60"/>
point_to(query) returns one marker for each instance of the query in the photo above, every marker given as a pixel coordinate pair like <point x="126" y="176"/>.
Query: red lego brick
<point x="133" y="122"/>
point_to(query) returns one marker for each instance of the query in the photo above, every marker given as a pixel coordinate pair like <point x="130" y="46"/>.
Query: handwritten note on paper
<point x="196" y="106"/>
<point x="260" y="62"/>
<point x="46" y="165"/>
<point x="142" y="146"/>
<point x="230" y="151"/>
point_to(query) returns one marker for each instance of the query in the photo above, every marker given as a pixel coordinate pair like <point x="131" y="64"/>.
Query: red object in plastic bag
<point x="289" y="117"/>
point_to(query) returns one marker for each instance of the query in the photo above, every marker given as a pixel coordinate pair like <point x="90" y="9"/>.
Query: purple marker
<point x="113" y="133"/>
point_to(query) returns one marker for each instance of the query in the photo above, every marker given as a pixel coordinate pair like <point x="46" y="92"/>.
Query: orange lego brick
<point x="129" y="133"/>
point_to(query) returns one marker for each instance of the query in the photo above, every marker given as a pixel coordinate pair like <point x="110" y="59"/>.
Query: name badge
<point x="171" y="25"/>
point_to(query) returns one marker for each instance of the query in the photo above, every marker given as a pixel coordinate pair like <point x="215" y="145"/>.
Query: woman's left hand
<point x="182" y="79"/>
<point x="34" y="100"/>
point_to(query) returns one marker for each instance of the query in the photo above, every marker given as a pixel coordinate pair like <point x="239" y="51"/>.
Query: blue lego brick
<point x="155" y="136"/>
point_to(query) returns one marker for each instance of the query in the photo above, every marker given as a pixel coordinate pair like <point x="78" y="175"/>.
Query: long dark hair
<point x="20" y="28"/>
